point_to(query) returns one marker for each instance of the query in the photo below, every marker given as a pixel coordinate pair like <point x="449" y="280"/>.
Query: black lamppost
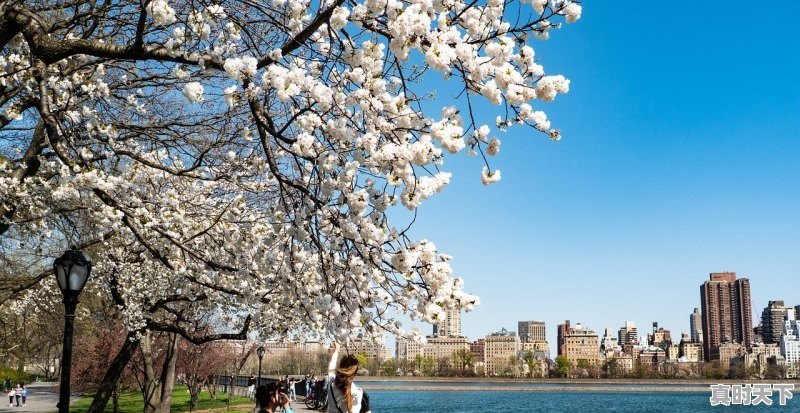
<point x="260" y="353"/>
<point x="71" y="269"/>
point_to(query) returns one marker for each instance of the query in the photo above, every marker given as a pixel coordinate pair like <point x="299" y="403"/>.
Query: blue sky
<point x="679" y="158"/>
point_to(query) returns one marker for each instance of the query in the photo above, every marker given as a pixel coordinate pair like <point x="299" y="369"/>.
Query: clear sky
<point x="680" y="156"/>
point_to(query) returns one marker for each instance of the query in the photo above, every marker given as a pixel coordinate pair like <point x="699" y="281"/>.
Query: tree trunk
<point x="168" y="374"/>
<point x="157" y="389"/>
<point x="195" y="387"/>
<point x="115" y="399"/>
<point x="211" y="383"/>
<point x="150" y="385"/>
<point x="109" y="381"/>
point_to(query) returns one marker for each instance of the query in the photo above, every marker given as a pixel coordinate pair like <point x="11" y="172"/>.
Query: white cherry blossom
<point x="162" y="13"/>
<point x="273" y="197"/>
<point x="193" y="91"/>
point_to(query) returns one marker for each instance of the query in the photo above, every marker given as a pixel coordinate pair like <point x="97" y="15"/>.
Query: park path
<point x="299" y="406"/>
<point x="40" y="399"/>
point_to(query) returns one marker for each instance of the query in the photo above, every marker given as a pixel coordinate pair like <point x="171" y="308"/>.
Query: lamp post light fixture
<point x="260" y="353"/>
<point x="71" y="269"/>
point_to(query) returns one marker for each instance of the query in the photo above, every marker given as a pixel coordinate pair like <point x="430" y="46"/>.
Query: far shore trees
<point x="563" y="366"/>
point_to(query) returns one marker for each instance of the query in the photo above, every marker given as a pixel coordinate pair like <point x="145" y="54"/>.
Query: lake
<point x="470" y="401"/>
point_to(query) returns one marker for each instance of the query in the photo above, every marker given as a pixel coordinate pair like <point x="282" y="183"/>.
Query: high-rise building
<point x="772" y="319"/>
<point x="692" y="352"/>
<point x="758" y="333"/>
<point x="439" y="348"/>
<point x="628" y="334"/>
<point x="581" y="343"/>
<point x="277" y="349"/>
<point x="536" y="347"/>
<point x="406" y="349"/>
<point x="727" y="315"/>
<point x="442" y="348"/>
<point x="660" y="338"/>
<point x="450" y="326"/>
<point x="499" y="348"/>
<point x="758" y="357"/>
<point x="610" y="343"/>
<point x="562" y="334"/>
<point x="478" y="348"/>
<point x="652" y="356"/>
<point x="369" y="349"/>
<point x="531" y="331"/>
<point x="696" y="326"/>
<point x="532" y="337"/>
<point x="726" y="352"/>
<point x="673" y="352"/>
<point x="790" y="344"/>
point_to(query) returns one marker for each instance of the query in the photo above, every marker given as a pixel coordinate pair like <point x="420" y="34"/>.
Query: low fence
<point x="238" y="384"/>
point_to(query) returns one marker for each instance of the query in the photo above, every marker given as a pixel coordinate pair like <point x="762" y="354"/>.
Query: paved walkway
<point x="40" y="399"/>
<point x="300" y="406"/>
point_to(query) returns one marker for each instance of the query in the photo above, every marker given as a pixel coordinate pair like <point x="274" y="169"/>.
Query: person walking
<point x="24" y="396"/>
<point x="251" y="386"/>
<point x="345" y="396"/>
<point x="8" y="384"/>
<point x="290" y="389"/>
<point x="11" y="394"/>
<point x="18" y="392"/>
<point x="309" y="382"/>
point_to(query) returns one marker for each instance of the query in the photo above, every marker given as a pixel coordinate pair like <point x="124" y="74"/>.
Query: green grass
<point x="132" y="402"/>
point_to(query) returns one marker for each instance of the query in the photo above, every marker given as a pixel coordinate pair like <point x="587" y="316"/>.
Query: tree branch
<point x="169" y="328"/>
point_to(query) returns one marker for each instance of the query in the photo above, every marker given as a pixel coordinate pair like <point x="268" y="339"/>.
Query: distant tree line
<point x="612" y="368"/>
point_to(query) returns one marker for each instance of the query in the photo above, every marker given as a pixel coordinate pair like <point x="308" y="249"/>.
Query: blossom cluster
<point x="246" y="157"/>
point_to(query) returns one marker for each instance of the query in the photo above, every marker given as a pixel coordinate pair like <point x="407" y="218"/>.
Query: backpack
<point x="364" y="401"/>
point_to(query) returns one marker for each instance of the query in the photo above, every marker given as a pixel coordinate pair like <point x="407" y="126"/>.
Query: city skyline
<point x="672" y="166"/>
<point x="642" y="327"/>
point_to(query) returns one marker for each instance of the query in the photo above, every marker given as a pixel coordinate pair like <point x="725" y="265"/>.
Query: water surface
<point x="399" y="401"/>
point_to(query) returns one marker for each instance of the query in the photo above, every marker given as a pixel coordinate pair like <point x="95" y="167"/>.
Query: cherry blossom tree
<point x="198" y="365"/>
<point x="242" y="156"/>
<point x="96" y="346"/>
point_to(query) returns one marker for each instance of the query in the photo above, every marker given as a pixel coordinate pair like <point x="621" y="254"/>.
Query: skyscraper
<point x="727" y="315"/>
<point x="696" y="326"/>
<point x="450" y="326"/>
<point x="610" y="342"/>
<point x="790" y="344"/>
<point x="563" y="330"/>
<point x="772" y="322"/>
<point x="531" y="331"/>
<point x="628" y="334"/>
